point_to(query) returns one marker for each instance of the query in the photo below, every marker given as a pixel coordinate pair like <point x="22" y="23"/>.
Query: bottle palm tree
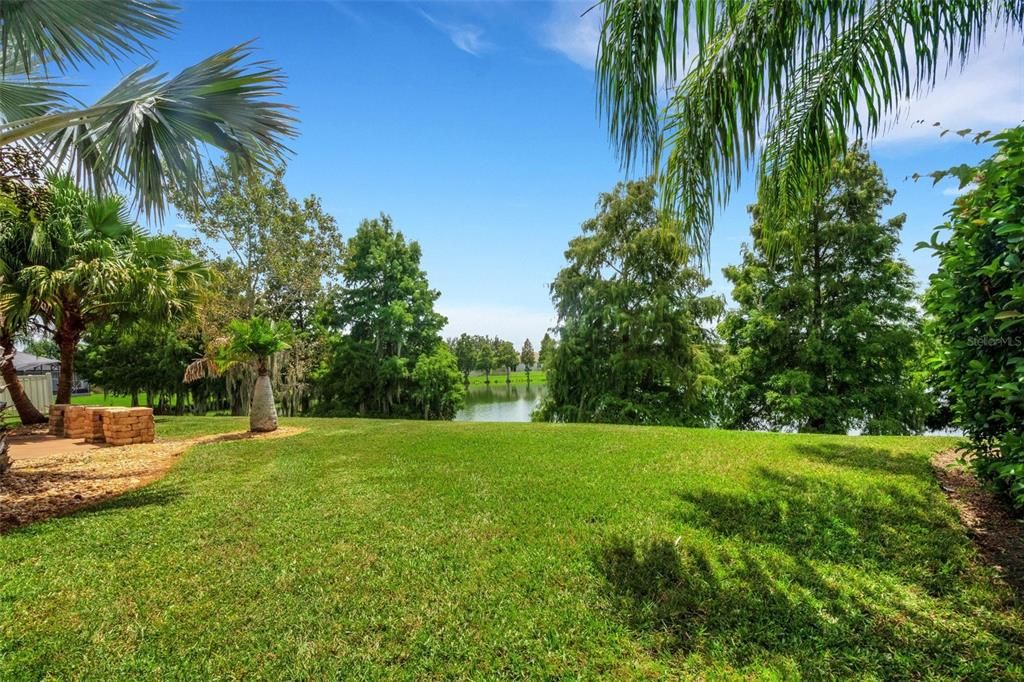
<point x="149" y="130"/>
<point x="780" y="85"/>
<point x="84" y="263"/>
<point x="248" y="341"/>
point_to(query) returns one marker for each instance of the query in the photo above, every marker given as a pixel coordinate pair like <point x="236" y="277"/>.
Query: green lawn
<point x="537" y="376"/>
<point x="109" y="400"/>
<point x="380" y="549"/>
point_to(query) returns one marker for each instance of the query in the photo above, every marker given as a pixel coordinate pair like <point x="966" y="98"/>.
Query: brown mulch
<point x="28" y="430"/>
<point x="997" y="534"/>
<point x="40" y="487"/>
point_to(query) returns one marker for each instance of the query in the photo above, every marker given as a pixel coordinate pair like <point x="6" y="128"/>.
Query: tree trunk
<point x="237" y="408"/>
<point x="67" y="341"/>
<point x="262" y="412"/>
<point x="5" y="460"/>
<point x="26" y="410"/>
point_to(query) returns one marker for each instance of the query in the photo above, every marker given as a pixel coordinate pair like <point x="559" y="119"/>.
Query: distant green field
<point x="385" y="549"/>
<point x="536" y="377"/>
<point x="100" y="399"/>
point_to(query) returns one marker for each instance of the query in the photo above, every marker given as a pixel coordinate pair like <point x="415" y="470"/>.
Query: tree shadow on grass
<point x="819" y="519"/>
<point x="148" y="496"/>
<point x="813" y="578"/>
<point x="866" y="458"/>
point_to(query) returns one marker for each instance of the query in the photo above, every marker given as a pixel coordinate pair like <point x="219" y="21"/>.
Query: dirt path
<point x="53" y="476"/>
<point x="996" y="533"/>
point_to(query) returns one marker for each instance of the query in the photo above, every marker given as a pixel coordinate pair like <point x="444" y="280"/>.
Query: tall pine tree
<point x="826" y="335"/>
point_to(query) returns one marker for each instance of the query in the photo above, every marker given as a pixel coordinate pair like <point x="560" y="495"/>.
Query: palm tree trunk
<point x="27" y="412"/>
<point x="262" y="411"/>
<point x="67" y="337"/>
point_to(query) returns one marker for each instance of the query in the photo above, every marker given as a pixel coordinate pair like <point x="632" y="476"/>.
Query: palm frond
<point x="63" y="33"/>
<point x="636" y="39"/>
<point x="200" y="368"/>
<point x="798" y="77"/>
<point x="21" y="99"/>
<point x="151" y="129"/>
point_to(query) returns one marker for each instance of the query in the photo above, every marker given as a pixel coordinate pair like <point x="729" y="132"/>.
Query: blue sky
<point x="474" y="125"/>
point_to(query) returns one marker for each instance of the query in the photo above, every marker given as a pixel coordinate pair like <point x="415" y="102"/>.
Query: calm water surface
<point x="500" y="403"/>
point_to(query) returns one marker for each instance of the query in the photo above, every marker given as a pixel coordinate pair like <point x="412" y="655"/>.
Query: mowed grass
<point x="385" y="549"/>
<point x="537" y="376"/>
<point x="107" y="400"/>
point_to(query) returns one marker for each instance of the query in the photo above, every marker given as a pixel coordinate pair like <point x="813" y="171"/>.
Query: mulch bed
<point x="990" y="522"/>
<point x="38" y="488"/>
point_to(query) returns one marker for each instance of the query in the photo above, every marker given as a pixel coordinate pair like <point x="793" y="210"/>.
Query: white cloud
<point x="987" y="95"/>
<point x="958" y="191"/>
<point x="466" y="37"/>
<point x="575" y="34"/>
<point x="513" y="323"/>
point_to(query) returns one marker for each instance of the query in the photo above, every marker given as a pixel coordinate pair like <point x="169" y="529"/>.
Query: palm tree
<point x="780" y="85"/>
<point x="248" y="341"/>
<point x="87" y="263"/>
<point x="149" y="130"/>
<point x="27" y="411"/>
<point x="23" y="197"/>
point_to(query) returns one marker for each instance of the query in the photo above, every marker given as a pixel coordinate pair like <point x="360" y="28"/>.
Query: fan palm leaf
<point x="66" y="34"/>
<point x="151" y="130"/>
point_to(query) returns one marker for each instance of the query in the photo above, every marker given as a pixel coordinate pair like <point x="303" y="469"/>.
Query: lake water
<point x="500" y="402"/>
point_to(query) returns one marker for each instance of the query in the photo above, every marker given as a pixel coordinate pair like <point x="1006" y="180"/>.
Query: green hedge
<point x="977" y="300"/>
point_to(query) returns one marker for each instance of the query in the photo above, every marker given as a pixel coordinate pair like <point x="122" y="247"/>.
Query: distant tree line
<point x="476" y="353"/>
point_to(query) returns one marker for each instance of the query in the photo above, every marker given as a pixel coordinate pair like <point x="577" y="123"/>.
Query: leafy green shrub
<point x="977" y="299"/>
<point x="438" y="384"/>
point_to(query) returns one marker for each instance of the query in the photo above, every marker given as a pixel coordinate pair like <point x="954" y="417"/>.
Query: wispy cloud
<point x="575" y="34"/>
<point x="987" y="95"/>
<point x="958" y="191"/>
<point x="467" y="37"/>
<point x="347" y="10"/>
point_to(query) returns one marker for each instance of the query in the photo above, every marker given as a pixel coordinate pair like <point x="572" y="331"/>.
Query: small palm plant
<point x="248" y="341"/>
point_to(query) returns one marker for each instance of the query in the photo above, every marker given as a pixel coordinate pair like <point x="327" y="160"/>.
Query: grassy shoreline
<point x="498" y="378"/>
<point x="374" y="548"/>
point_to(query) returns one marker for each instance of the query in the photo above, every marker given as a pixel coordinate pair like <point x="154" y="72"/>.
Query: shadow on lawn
<point x="832" y="578"/>
<point x="148" y="496"/>
<point x="867" y="458"/>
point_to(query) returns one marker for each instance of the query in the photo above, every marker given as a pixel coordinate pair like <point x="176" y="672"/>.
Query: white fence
<point x="39" y="388"/>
